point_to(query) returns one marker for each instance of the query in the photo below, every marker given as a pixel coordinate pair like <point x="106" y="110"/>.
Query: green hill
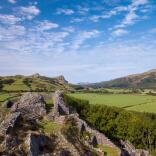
<point x="33" y="83"/>
<point x="143" y="80"/>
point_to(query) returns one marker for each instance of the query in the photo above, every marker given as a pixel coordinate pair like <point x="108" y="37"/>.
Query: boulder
<point x="31" y="105"/>
<point x="7" y="104"/>
<point x="60" y="107"/>
<point x="9" y="122"/>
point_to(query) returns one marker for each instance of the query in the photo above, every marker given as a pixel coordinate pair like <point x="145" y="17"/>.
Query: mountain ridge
<point x="142" y="80"/>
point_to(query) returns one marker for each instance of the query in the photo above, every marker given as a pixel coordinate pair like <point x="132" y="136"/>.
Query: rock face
<point x="35" y="143"/>
<point x="132" y="151"/>
<point x="9" y="142"/>
<point x="7" y="104"/>
<point x="60" y="107"/>
<point x="97" y="138"/>
<point x="9" y="123"/>
<point x="31" y="105"/>
<point x="61" y="79"/>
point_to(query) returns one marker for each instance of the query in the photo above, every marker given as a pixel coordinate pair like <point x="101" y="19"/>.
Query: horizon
<point x="55" y="76"/>
<point x="84" y="41"/>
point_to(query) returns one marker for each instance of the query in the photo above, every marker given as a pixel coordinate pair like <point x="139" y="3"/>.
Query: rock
<point x="36" y="75"/>
<point x="64" y="153"/>
<point x="60" y="79"/>
<point x="9" y="142"/>
<point x="36" y="143"/>
<point x="31" y="106"/>
<point x="7" y="104"/>
<point x="93" y="141"/>
<point x="132" y="151"/>
<point x="97" y="138"/>
<point x="60" y="107"/>
<point x="9" y="123"/>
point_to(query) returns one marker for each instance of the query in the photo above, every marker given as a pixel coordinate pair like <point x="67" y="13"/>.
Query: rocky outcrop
<point x="36" y="144"/>
<point x="132" y="151"/>
<point x="62" y="111"/>
<point x="36" y="75"/>
<point x="31" y="106"/>
<point x="7" y="104"/>
<point x="60" y="79"/>
<point x="96" y="138"/>
<point x="60" y="107"/>
<point x="9" y="123"/>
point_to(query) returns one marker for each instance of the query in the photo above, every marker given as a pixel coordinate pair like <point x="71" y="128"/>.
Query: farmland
<point x="134" y="102"/>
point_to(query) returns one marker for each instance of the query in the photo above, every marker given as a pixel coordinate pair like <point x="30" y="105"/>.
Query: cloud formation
<point x="29" y="12"/>
<point x="64" y="11"/>
<point x="12" y="1"/>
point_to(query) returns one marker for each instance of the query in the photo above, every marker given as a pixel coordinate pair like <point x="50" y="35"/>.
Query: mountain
<point x="143" y="80"/>
<point x="34" y="82"/>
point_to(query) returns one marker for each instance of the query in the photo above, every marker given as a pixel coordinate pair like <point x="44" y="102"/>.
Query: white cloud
<point x="77" y="20"/>
<point x="131" y="17"/>
<point x="119" y="32"/>
<point x="12" y="1"/>
<point x="29" y="12"/>
<point x="9" y="19"/>
<point x="46" y="25"/>
<point x="83" y="10"/>
<point x="139" y="2"/>
<point x="82" y="37"/>
<point x="109" y="14"/>
<point x="69" y="29"/>
<point x="64" y="11"/>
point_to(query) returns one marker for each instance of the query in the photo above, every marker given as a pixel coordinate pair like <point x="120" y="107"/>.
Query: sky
<point x="86" y="41"/>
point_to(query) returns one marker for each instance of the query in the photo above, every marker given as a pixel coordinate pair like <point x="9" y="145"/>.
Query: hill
<point x="34" y="82"/>
<point x="143" y="80"/>
<point x="28" y="128"/>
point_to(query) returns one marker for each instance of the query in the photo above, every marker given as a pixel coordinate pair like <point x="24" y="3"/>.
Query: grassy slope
<point x="135" y="102"/>
<point x="41" y="83"/>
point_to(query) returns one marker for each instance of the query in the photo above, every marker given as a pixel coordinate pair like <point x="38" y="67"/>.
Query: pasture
<point x="134" y="102"/>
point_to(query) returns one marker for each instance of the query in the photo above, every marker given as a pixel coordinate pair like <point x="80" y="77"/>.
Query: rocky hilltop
<point x="29" y="129"/>
<point x="35" y="82"/>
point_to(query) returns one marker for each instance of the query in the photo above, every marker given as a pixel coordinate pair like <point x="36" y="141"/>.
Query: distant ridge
<point x="34" y="82"/>
<point x="142" y="80"/>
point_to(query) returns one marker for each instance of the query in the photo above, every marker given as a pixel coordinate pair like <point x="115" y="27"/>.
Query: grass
<point x="49" y="127"/>
<point x="134" y="102"/>
<point x="6" y="96"/>
<point x="109" y="151"/>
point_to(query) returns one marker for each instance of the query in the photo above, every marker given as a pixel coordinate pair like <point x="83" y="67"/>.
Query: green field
<point x="135" y="102"/>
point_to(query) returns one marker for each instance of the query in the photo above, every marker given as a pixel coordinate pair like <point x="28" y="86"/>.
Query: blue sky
<point x="86" y="41"/>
